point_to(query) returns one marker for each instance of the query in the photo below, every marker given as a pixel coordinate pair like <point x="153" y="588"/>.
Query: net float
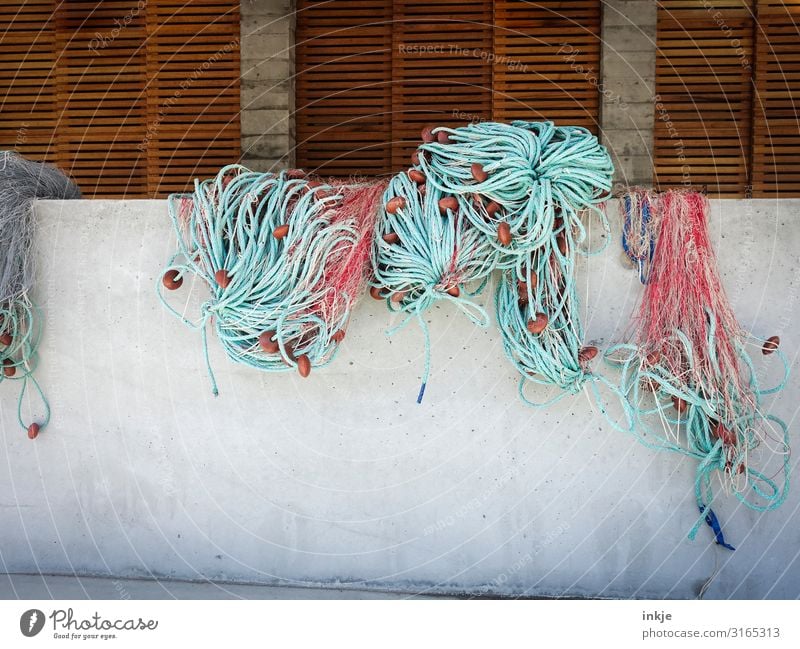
<point x="281" y="231"/>
<point x="415" y="157"/>
<point x="394" y="204"/>
<point x="522" y="290"/>
<point x="492" y="208"/>
<point x="770" y="345"/>
<point x="267" y="344"/>
<point x="728" y="437"/>
<point x="221" y="277"/>
<point x="8" y="368"/>
<point x="398" y="297"/>
<point x="679" y="404"/>
<point x="454" y="291"/>
<point x="587" y="353"/>
<point x="422" y="189"/>
<point x="478" y="173"/>
<point x="504" y="233"/>
<point x="729" y="468"/>
<point x="304" y="366"/>
<point x="538" y="324"/>
<point x="416" y="176"/>
<point x="534" y="281"/>
<point x="448" y="203"/>
<point x="653" y="357"/>
<point x="561" y="241"/>
<point x="391" y="238"/>
<point x="172" y="281"/>
<point x="338" y="337"/>
<point x="375" y="293"/>
<point x="443" y="137"/>
<point x="427" y="134"/>
<point x="295" y="174"/>
<point x="6" y="339"/>
<point x="33" y="431"/>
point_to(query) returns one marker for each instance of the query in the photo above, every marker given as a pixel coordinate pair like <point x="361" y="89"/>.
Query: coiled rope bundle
<point x="285" y="258"/>
<point x="496" y="196"/>
<point x="21" y="182"/>
<point x="689" y="376"/>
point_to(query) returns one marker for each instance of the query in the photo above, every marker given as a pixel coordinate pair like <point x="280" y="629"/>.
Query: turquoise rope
<point x="537" y="173"/>
<point x="275" y="284"/>
<point x="703" y="405"/>
<point x="21" y="319"/>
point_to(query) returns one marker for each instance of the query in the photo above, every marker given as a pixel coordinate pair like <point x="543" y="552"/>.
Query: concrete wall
<point x="342" y="478"/>
<point x="267" y="50"/>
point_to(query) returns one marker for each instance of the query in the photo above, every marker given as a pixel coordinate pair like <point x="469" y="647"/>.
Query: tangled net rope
<point x="21" y="182"/>
<point x="689" y="376"/>
<point x="496" y="196"/>
<point x="285" y="258"/>
<point x="640" y="229"/>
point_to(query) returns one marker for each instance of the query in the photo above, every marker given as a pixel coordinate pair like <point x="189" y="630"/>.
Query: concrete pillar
<point x="628" y="63"/>
<point x="267" y="86"/>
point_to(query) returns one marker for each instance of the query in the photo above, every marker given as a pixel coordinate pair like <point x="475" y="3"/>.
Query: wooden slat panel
<point x="193" y="97"/>
<point x="441" y="69"/>
<point x="343" y="86"/>
<point x="703" y="116"/>
<point x="27" y="81"/>
<point x="83" y="85"/>
<point x="547" y="61"/>
<point x="776" y="132"/>
<point x="100" y="77"/>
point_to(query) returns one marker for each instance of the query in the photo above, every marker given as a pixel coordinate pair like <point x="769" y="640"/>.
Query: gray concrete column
<point x="628" y="65"/>
<point x="267" y="86"/>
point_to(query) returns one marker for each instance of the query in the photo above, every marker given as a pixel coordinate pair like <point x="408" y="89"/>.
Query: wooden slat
<point x="703" y="114"/>
<point x="118" y="94"/>
<point x="547" y="61"/>
<point x="441" y="70"/>
<point x="776" y="132"/>
<point x="343" y="87"/>
<point x="193" y="91"/>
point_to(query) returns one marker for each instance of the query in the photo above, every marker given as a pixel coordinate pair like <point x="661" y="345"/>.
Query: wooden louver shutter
<point x="133" y="99"/>
<point x="27" y="80"/>
<point x="776" y="132"/>
<point x="441" y="70"/>
<point x="343" y="86"/>
<point x="547" y="61"/>
<point x="440" y="62"/>
<point x="703" y="87"/>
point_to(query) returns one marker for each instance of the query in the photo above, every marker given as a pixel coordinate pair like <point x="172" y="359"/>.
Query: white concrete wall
<point x="342" y="478"/>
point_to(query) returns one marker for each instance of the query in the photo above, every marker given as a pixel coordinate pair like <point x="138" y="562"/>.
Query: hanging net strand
<point x="21" y="183"/>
